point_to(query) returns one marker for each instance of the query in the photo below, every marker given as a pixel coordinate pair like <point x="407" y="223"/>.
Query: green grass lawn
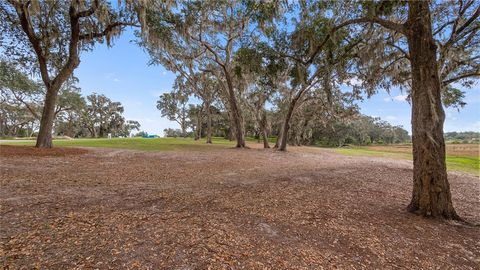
<point x="470" y="164"/>
<point x="151" y="144"/>
<point x="146" y="144"/>
<point x="454" y="163"/>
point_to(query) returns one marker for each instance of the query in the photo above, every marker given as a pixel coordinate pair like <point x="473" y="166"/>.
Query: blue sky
<point x="122" y="74"/>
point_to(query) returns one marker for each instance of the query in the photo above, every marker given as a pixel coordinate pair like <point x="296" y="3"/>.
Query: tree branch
<point x="88" y="12"/>
<point x="106" y="31"/>
<point x="460" y="77"/>
<point x="385" y="23"/>
<point x="26" y="24"/>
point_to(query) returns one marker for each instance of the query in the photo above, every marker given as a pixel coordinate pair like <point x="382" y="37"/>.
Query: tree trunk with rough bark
<point x="183" y="128"/>
<point x="279" y="138"/>
<point x="44" y="138"/>
<point x="209" y="122"/>
<point x="263" y="126"/>
<point x="431" y="191"/>
<point x="70" y="128"/>
<point x="198" y="132"/>
<point x="282" y="146"/>
<point x="236" y="112"/>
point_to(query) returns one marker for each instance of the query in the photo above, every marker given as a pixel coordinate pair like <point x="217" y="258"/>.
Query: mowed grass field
<point x="143" y="144"/>
<point x="460" y="157"/>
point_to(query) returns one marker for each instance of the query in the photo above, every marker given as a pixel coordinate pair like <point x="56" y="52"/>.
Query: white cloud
<point x="400" y="98"/>
<point x="164" y="73"/>
<point x="116" y="79"/>
<point x="390" y="117"/>
<point x="387" y="99"/>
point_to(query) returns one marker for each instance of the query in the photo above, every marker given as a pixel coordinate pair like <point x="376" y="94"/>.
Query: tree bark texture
<point x="209" y="122"/>
<point x="44" y="138"/>
<point x="286" y="124"/>
<point x="431" y="191"/>
<point x="236" y="113"/>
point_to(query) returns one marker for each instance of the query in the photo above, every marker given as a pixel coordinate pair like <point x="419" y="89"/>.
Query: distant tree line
<point x="308" y="126"/>
<point x="74" y="116"/>
<point x="462" y="137"/>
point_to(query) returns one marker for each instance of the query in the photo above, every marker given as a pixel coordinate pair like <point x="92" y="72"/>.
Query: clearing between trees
<point x="307" y="208"/>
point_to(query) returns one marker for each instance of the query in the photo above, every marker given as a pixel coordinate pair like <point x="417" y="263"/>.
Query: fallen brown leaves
<point x="30" y="151"/>
<point x="224" y="209"/>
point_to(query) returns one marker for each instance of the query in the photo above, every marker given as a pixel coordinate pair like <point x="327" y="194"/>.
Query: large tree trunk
<point x="236" y="112"/>
<point x="431" y="190"/>
<point x="44" y="138"/>
<point x="209" y="122"/>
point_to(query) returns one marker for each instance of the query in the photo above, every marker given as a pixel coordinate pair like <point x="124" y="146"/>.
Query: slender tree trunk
<point x="231" y="133"/>
<point x="236" y="113"/>
<point x="209" y="122"/>
<point x="263" y="126"/>
<point x="44" y="138"/>
<point x="70" y="128"/>
<point x="286" y="126"/>
<point x="198" y="134"/>
<point x="184" y="129"/>
<point x="30" y="134"/>
<point x="231" y="130"/>
<point x="101" y="131"/>
<point x="431" y="190"/>
<point x="279" y="138"/>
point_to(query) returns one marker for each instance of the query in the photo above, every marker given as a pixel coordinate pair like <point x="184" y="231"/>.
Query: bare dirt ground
<point x="224" y="209"/>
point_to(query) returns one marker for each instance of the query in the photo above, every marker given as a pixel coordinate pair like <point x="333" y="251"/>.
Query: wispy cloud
<point x="399" y="98"/>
